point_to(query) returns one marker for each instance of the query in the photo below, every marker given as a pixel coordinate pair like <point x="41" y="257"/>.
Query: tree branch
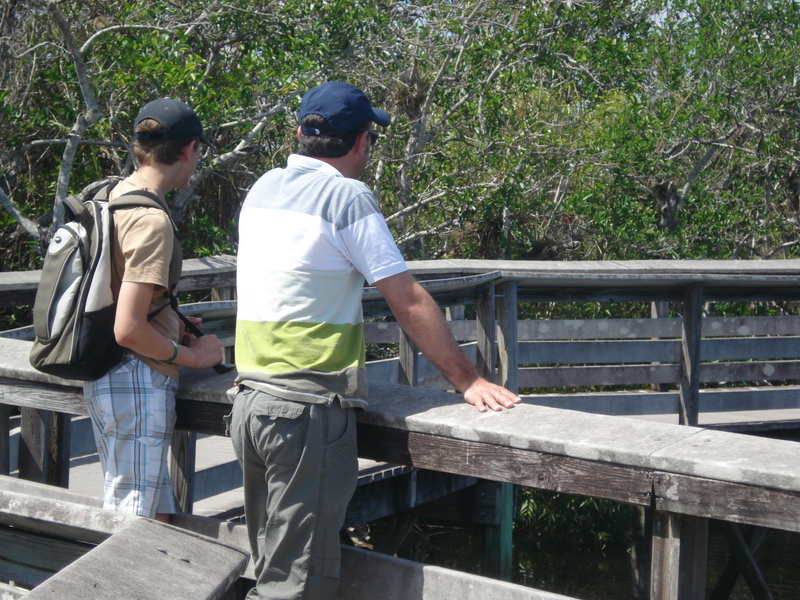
<point x="84" y="120"/>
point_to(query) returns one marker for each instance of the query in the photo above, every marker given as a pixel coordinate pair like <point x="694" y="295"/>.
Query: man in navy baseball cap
<point x="310" y="234"/>
<point x="343" y="106"/>
<point x="177" y="120"/>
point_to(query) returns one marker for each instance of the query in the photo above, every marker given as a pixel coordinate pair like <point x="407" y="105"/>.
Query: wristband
<point x="174" y="353"/>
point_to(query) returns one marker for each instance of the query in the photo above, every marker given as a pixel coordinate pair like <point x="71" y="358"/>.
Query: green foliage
<point x="547" y="519"/>
<point x="570" y="131"/>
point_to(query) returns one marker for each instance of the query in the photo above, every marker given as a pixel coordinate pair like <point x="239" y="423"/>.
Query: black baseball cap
<point x="343" y="106"/>
<point x="176" y="118"/>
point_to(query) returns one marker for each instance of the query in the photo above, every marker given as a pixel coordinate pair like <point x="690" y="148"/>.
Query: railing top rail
<point x="664" y="447"/>
<point x="556" y="280"/>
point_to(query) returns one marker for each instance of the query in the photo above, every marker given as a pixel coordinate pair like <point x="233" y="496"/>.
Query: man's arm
<point x="421" y="318"/>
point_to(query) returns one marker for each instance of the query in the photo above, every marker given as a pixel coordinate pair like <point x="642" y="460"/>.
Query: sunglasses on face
<point x="374" y="136"/>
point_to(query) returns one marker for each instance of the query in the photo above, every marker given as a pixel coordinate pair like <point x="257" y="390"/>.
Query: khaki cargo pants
<point x="300" y="469"/>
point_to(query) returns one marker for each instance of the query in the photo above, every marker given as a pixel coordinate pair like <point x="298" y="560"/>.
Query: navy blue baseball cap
<point x="176" y="118"/>
<point x="344" y="107"/>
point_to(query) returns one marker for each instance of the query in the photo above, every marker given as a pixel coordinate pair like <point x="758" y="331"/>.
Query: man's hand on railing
<point x="483" y="394"/>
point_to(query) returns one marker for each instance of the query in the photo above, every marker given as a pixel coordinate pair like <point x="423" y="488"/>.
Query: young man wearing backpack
<point x="132" y="407"/>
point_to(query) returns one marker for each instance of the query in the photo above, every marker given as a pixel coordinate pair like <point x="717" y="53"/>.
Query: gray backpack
<point x="74" y="309"/>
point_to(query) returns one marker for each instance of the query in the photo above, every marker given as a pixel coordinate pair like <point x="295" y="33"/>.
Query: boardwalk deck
<point x="685" y="474"/>
<point x="139" y="558"/>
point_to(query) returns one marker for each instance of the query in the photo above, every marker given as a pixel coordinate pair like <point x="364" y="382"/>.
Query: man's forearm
<point x="422" y="320"/>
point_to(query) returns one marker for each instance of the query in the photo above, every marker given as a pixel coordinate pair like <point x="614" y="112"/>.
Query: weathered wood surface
<point x="688" y="451"/>
<point x="365" y="575"/>
<point x="18" y="288"/>
<point x="391" y="578"/>
<point x="135" y="558"/>
<point x="148" y="559"/>
<point x="649" y="280"/>
<point x="523" y="431"/>
<point x="537" y="280"/>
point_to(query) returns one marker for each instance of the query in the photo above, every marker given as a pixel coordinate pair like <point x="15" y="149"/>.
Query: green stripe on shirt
<point x="283" y="347"/>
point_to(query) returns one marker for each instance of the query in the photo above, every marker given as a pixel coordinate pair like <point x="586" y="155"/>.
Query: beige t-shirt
<point x="143" y="245"/>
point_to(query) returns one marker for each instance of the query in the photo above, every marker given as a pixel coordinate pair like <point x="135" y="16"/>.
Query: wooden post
<point x="222" y="294"/>
<point x="642" y="516"/>
<point x="497" y="360"/>
<point x="641" y="551"/>
<point x="183" y="452"/>
<point x="408" y="372"/>
<point x="694" y="557"/>
<point x="487" y="334"/>
<point x="508" y="336"/>
<point x="666" y="556"/>
<point x="680" y="548"/>
<point x="498" y="538"/>
<point x="5" y="439"/>
<point x="44" y="447"/>
<point x="691" y="332"/>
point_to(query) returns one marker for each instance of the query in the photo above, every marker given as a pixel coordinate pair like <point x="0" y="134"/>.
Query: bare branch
<point x="114" y="28"/>
<point x="84" y="120"/>
<point x="29" y="226"/>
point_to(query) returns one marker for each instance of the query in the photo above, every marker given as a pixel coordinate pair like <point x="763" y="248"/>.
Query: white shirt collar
<point x="298" y="161"/>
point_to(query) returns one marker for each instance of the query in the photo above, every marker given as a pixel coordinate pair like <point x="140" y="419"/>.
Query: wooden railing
<point x="684" y="474"/>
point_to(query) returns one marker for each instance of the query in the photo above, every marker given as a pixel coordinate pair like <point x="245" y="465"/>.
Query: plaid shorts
<point x="132" y="408"/>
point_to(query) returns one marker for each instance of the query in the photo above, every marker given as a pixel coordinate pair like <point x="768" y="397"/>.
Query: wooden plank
<point x="555" y="377"/>
<point x="599" y="352"/>
<point x="30" y="558"/>
<point x="390" y="578"/>
<point x="664" y="351"/>
<point x="148" y="559"/>
<point x="778" y="347"/>
<point x="641" y="551"/>
<point x="388" y="332"/>
<point x="41" y="396"/>
<point x="665" y="328"/>
<point x="533" y="469"/>
<point x="575" y="375"/>
<point x="598" y="329"/>
<point x="201" y="417"/>
<point x="775" y="370"/>
<point x="633" y="403"/>
<point x="761" y="506"/>
<point x="645" y="402"/>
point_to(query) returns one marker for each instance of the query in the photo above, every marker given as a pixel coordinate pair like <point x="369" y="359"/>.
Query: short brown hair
<point x="327" y="146"/>
<point x="159" y="150"/>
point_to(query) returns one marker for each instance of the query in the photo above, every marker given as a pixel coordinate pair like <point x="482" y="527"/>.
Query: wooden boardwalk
<point x="690" y="366"/>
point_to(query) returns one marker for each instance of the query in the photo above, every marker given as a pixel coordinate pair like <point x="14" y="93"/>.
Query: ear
<point x="361" y="142"/>
<point x="188" y="149"/>
<point x="299" y="132"/>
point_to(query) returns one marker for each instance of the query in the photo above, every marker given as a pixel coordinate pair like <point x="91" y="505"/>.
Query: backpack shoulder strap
<point x="137" y="198"/>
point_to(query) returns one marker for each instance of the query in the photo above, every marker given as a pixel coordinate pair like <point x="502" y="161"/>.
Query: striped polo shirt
<point x="308" y="238"/>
